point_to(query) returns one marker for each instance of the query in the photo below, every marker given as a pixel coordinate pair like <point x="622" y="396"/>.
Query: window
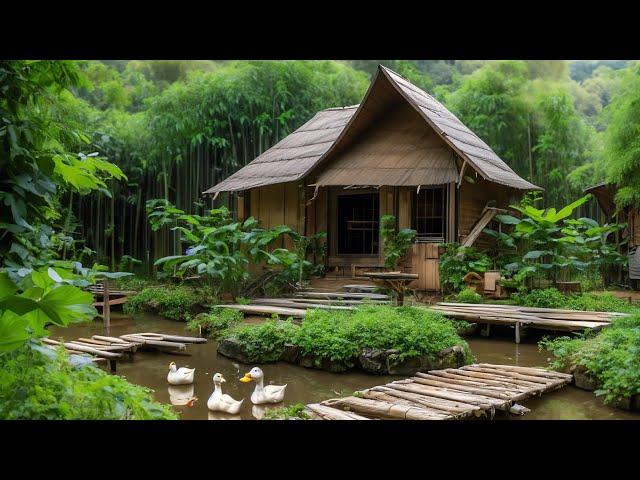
<point x="358" y="224"/>
<point x="430" y="220"/>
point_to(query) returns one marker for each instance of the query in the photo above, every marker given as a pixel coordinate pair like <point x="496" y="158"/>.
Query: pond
<point x="307" y="385"/>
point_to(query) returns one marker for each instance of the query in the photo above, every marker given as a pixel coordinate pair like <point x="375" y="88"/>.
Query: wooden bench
<point x="355" y="266"/>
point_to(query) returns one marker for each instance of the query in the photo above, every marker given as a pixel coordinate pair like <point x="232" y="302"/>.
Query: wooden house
<point x="605" y="194"/>
<point x="398" y="152"/>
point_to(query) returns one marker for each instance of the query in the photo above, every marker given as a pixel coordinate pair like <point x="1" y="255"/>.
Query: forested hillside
<point x="176" y="128"/>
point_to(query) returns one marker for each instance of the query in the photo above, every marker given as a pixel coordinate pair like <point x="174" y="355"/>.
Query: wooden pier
<point x="113" y="348"/>
<point x="534" y="317"/>
<point x="477" y="390"/>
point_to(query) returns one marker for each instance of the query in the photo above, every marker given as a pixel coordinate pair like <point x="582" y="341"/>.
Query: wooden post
<point x="517" y="332"/>
<point x="487" y="331"/>
<point x="112" y="365"/>
<point x="106" y="309"/>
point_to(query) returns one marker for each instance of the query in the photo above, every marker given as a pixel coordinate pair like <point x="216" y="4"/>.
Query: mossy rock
<point x="387" y="362"/>
<point x="236" y="350"/>
<point x="468" y="330"/>
<point x="290" y="353"/>
<point x="313" y="361"/>
<point x="583" y="380"/>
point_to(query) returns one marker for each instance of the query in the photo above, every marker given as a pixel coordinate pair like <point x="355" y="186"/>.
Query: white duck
<point x="262" y="394"/>
<point x="180" y="376"/>
<point x="221" y="402"/>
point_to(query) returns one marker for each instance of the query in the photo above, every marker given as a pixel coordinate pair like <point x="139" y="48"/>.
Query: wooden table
<point x="396" y="281"/>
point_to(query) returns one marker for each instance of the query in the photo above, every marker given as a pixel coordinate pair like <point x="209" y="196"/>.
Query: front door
<point x="355" y="224"/>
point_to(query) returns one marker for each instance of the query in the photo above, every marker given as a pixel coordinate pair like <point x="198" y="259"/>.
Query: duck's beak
<point x="222" y="379"/>
<point x="191" y="402"/>
<point x="247" y="378"/>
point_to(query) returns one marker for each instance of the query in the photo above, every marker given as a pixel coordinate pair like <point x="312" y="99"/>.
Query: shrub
<point x="612" y="357"/>
<point x="604" y="302"/>
<point x="173" y="302"/>
<point x="264" y="341"/>
<point x="292" y="412"/>
<point x="456" y="262"/>
<point x="50" y="388"/>
<point x="468" y="295"/>
<point x="396" y="244"/>
<point x="216" y="322"/>
<point x="341" y="336"/>
<point x="543" y="298"/>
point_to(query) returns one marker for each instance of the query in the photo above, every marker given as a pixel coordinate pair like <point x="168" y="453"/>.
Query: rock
<point x="583" y="380"/>
<point x="452" y="357"/>
<point x="290" y="353"/>
<point x="468" y="330"/>
<point x="372" y="361"/>
<point x="232" y="348"/>
<point x="313" y="361"/>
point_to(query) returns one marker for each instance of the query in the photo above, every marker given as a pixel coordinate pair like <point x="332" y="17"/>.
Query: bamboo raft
<point x="533" y="317"/>
<point x="112" y="348"/>
<point x="477" y="390"/>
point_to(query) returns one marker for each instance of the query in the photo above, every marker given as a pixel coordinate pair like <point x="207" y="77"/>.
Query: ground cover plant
<point x="611" y="357"/>
<point x="216" y="322"/>
<point x="37" y="386"/>
<point x="456" y="261"/>
<point x="291" y="412"/>
<point x="552" y="298"/>
<point x="176" y="302"/>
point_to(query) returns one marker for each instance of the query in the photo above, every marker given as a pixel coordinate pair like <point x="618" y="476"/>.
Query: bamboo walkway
<point x="472" y="391"/>
<point x="112" y="348"/>
<point x="518" y="316"/>
<point x="116" y="297"/>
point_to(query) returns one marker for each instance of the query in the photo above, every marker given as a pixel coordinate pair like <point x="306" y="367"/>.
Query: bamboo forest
<point x="319" y="240"/>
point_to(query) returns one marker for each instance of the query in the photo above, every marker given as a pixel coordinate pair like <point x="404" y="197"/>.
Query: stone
<point x="468" y="330"/>
<point x="452" y="357"/>
<point x="583" y="380"/>
<point x="232" y="348"/>
<point x="313" y="361"/>
<point x="290" y="353"/>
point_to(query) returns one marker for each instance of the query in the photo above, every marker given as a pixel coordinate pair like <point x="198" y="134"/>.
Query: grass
<point x="611" y="357"/>
<point x="173" y="302"/>
<point x="216" y="322"/>
<point x="552" y="298"/>
<point x="36" y="387"/>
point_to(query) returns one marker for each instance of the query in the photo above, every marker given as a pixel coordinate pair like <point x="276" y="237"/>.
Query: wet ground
<point x="307" y="385"/>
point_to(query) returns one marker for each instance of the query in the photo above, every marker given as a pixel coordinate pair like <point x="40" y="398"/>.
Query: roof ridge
<point x="341" y="108"/>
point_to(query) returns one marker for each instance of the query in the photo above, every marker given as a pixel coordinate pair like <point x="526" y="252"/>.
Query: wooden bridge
<point x="112" y="348"/>
<point x="472" y="391"/>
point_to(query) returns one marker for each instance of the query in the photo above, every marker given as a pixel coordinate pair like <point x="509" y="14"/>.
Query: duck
<point x="180" y="376"/>
<point x="262" y="394"/>
<point x="220" y="402"/>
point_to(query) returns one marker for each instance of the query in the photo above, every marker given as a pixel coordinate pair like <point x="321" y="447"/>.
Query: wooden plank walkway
<point x="471" y="391"/>
<point x="518" y="316"/>
<point x="112" y="348"/>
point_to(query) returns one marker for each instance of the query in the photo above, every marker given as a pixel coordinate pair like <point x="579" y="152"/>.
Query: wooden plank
<point x="175" y="338"/>
<point x="370" y="296"/>
<point x="267" y="310"/>
<point x="380" y="408"/>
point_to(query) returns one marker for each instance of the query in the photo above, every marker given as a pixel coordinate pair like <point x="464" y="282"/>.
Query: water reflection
<point x="222" y="416"/>
<point x="180" y="394"/>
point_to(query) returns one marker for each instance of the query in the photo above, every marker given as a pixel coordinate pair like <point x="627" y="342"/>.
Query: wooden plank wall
<point x="423" y="260"/>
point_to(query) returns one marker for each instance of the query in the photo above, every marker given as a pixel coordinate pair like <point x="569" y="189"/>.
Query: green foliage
<point x="265" y="341"/>
<point x="174" y="302"/>
<point x="221" y="249"/>
<point x="216" y="322"/>
<point x="622" y="147"/>
<point x="612" y="357"/>
<point x="548" y="243"/>
<point x="456" y="262"/>
<point x="35" y="385"/>
<point x="396" y="243"/>
<point x="544" y="298"/>
<point x="468" y="295"/>
<point x="290" y="412"/>
<point x="341" y="335"/>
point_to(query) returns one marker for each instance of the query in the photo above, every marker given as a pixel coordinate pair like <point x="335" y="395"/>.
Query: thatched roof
<point x="331" y="131"/>
<point x="605" y="195"/>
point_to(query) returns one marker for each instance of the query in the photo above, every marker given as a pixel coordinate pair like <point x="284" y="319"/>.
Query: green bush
<point x="542" y="298"/>
<point x="295" y="411"/>
<point x="264" y="341"/>
<point x="612" y="357"/>
<point x="468" y="295"/>
<point x="341" y="335"/>
<point x="36" y="387"/>
<point x="604" y="302"/>
<point x="552" y="298"/>
<point x="216" y="322"/>
<point x="456" y="262"/>
<point x="396" y="243"/>
<point x="173" y="302"/>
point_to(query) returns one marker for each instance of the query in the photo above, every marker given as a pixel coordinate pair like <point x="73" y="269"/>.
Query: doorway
<point x="358" y="216"/>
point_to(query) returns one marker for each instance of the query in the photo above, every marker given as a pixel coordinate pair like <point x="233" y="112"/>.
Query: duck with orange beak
<point x="262" y="394"/>
<point x="180" y="376"/>
<point x="220" y="402"/>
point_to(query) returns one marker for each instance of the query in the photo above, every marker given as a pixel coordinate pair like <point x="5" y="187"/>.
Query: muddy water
<point x="306" y="385"/>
